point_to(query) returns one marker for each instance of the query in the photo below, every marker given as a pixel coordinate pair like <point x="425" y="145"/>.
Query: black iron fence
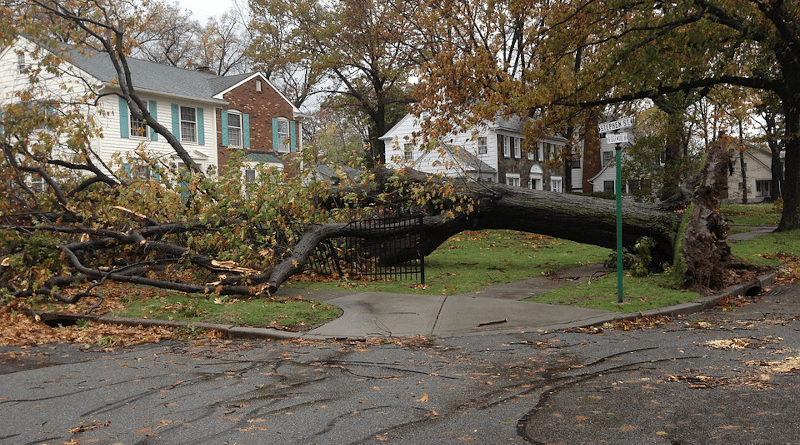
<point x="380" y="248"/>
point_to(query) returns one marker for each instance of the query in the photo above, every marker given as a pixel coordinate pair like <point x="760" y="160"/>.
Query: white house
<point x="182" y="100"/>
<point x="757" y="164"/>
<point x="493" y="151"/>
<point x="605" y="180"/>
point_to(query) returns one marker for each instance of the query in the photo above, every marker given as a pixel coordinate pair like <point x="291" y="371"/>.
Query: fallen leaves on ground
<point x="729" y="343"/>
<point x="22" y="330"/>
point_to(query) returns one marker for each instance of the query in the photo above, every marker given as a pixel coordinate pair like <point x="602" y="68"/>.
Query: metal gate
<point x="381" y="248"/>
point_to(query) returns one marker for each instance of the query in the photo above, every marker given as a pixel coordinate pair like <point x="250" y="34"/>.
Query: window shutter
<point x="176" y="121"/>
<point x="276" y="140"/>
<point x="201" y="128"/>
<point x="2" y="124"/>
<point x="124" y="120"/>
<point x="153" y="112"/>
<point x="223" y="117"/>
<point x="293" y="135"/>
<point x="246" y="130"/>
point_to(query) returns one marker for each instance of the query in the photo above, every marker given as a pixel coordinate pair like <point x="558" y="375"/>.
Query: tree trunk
<point x="790" y="218"/>
<point x="743" y="168"/>
<point x="575" y="217"/>
<point x="704" y="248"/>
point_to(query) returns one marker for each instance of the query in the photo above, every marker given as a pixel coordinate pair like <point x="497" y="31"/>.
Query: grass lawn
<point x="639" y="294"/>
<point x="772" y="249"/>
<point x="753" y="215"/>
<point x="474" y="260"/>
<point x="279" y="313"/>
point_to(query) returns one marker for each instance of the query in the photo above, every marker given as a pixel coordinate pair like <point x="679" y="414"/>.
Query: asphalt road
<point x="728" y="375"/>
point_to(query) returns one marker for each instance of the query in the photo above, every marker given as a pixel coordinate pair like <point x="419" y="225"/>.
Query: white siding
<point x="112" y="142"/>
<point x="758" y="169"/>
<point x="107" y="112"/>
<point x="405" y="131"/>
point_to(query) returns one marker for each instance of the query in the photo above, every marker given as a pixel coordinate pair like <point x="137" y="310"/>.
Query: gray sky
<point x="203" y="9"/>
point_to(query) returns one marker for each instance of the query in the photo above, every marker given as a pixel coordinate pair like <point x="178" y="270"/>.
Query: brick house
<point x="257" y="119"/>
<point x="493" y="151"/>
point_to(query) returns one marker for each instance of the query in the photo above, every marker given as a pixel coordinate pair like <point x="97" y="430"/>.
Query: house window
<point x="512" y="179"/>
<point x="258" y="86"/>
<point x="482" y="148"/>
<point x="516" y="149"/>
<point x="575" y="161"/>
<point x="539" y="152"/>
<point x="408" y="152"/>
<point x="762" y="189"/>
<point x="555" y="184"/>
<point x="249" y="175"/>
<point x="607" y="157"/>
<point x="234" y="129"/>
<point x="283" y="136"/>
<point x="608" y="187"/>
<point x="21" y="64"/>
<point x="548" y="151"/>
<point x="140" y="172"/>
<point x="188" y="124"/>
<point x="502" y="145"/>
<point x="37" y="184"/>
<point x="138" y="127"/>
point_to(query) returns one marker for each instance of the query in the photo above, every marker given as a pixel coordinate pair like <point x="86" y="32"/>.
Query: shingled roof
<point x="151" y="76"/>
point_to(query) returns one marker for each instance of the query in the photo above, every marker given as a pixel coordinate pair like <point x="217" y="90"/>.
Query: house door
<point x="762" y="189"/>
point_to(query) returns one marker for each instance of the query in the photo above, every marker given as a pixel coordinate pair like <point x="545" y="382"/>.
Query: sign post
<point x="617" y="139"/>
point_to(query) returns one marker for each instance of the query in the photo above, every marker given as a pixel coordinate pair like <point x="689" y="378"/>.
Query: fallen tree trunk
<point x="574" y="217"/>
<point x="493" y="206"/>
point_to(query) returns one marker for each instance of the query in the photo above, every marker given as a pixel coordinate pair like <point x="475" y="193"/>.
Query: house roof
<point x="463" y="158"/>
<point x="263" y="157"/>
<point x="149" y="76"/>
<point x="221" y="85"/>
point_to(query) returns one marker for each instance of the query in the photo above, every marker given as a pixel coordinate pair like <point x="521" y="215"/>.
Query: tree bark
<point x="704" y="248"/>
<point x="575" y="217"/>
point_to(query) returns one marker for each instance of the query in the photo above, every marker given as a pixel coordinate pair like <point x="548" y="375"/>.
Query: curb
<point x="226" y="330"/>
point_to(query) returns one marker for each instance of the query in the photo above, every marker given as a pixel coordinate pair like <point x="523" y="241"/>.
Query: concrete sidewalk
<point x="369" y="314"/>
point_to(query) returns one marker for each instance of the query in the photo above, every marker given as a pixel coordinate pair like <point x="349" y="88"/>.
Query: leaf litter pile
<point x="22" y="330"/>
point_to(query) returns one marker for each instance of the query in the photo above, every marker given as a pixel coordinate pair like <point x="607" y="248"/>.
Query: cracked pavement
<point x="726" y="375"/>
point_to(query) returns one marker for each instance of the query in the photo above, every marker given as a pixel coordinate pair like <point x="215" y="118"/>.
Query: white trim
<point x="263" y="78"/>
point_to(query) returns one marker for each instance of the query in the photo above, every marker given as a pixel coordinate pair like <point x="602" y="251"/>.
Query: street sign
<point x="614" y="138"/>
<point x="625" y="122"/>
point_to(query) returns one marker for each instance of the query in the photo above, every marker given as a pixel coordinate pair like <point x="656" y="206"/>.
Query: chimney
<point x="204" y="69"/>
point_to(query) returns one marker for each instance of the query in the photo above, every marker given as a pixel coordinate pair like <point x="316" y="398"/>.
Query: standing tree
<point x="631" y="50"/>
<point x="351" y="49"/>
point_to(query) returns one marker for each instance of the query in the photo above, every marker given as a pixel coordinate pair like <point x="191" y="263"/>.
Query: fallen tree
<point x="142" y="255"/>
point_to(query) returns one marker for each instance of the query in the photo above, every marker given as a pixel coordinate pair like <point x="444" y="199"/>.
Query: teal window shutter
<point x="176" y="121"/>
<point x="276" y="140"/>
<point x="224" y="130"/>
<point x="124" y="120"/>
<point x="293" y="135"/>
<point x="201" y="134"/>
<point x="2" y="124"/>
<point x="153" y="112"/>
<point x="246" y="130"/>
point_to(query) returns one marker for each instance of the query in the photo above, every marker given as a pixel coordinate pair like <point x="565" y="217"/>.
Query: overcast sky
<point x="203" y="9"/>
